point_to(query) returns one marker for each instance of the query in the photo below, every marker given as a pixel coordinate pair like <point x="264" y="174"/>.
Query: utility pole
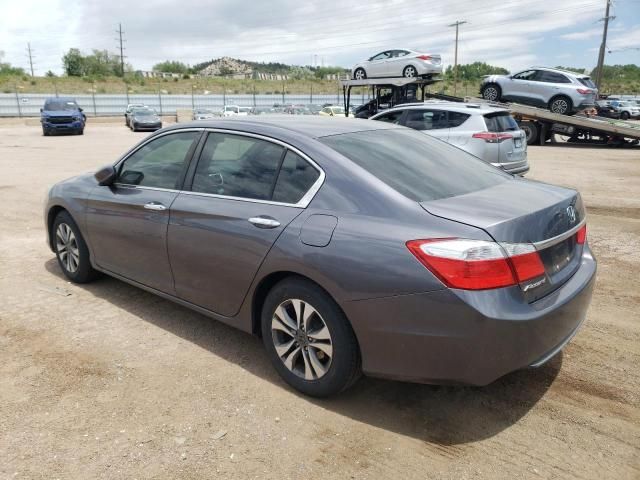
<point x="603" y="46"/>
<point x="455" y="57"/>
<point x="30" y="55"/>
<point x="120" y="32"/>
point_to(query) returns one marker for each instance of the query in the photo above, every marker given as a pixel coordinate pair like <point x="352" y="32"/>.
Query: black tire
<point x="409" y="68"/>
<point x="532" y="131"/>
<point x="624" y="116"/>
<point x="344" y="368"/>
<point x="360" y="71"/>
<point x="561" y="105"/>
<point x="133" y="127"/>
<point x="492" y="92"/>
<point x="84" y="272"/>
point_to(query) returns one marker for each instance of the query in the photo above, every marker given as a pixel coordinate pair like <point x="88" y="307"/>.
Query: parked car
<point x="62" y="115"/>
<point x="314" y="109"/>
<point x="626" y="109"/>
<point x="129" y="109"/>
<point x="144" y="119"/>
<point x="203" y="114"/>
<point x="297" y="110"/>
<point x="230" y="110"/>
<point x="560" y="91"/>
<point x="349" y="246"/>
<point x="244" y="111"/>
<point x="331" y="111"/>
<point x="605" y="110"/>
<point x="490" y="133"/>
<point x="398" y="63"/>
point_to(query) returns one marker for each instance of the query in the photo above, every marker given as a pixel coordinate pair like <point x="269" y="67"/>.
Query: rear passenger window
<point x="551" y="77"/>
<point x="295" y="179"/>
<point x="237" y="166"/>
<point x="457" y="118"/>
<point x="426" y="119"/>
<point x="391" y="117"/>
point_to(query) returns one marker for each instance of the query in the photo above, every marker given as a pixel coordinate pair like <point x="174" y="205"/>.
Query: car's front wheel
<point x="308" y="338"/>
<point x="491" y="92"/>
<point x="624" y="116"/>
<point x="359" y="74"/>
<point x="561" y="105"/>
<point x="410" y="72"/>
<point x="71" y="249"/>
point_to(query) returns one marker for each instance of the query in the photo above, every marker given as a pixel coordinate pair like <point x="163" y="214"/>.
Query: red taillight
<point x="581" y="235"/>
<point x="491" y="137"/>
<point x="584" y="91"/>
<point x="424" y="57"/>
<point x="477" y="264"/>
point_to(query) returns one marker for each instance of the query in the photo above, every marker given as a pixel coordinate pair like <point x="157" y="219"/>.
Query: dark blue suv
<point x="61" y="114"/>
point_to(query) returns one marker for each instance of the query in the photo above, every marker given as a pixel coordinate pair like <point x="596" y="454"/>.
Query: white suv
<point x="490" y="133"/>
<point x="560" y="91"/>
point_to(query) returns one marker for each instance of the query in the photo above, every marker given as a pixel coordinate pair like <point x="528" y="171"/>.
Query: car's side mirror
<point x="106" y="175"/>
<point x="80" y="109"/>
<point x="41" y="110"/>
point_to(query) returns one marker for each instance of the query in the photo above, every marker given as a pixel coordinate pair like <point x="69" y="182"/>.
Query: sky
<point x="513" y="34"/>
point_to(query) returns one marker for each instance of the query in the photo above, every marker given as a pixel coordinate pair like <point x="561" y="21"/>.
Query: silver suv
<point x="490" y="133"/>
<point x="560" y="91"/>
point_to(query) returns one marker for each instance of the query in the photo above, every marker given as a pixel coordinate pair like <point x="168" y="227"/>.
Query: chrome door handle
<point x="154" y="206"/>
<point x="264" y="222"/>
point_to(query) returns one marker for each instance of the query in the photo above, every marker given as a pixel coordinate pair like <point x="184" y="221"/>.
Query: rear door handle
<point x="264" y="222"/>
<point x="154" y="206"/>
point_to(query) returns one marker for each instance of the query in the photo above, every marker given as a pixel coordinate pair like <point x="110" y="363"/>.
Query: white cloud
<point x="510" y="33"/>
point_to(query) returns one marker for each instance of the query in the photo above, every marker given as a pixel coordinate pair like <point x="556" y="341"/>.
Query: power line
<point x="120" y="32"/>
<point x="455" y="56"/>
<point x="30" y="55"/>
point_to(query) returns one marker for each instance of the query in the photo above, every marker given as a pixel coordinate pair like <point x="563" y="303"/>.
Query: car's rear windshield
<point x="587" y="82"/>
<point x="500" y="122"/>
<point x="420" y="167"/>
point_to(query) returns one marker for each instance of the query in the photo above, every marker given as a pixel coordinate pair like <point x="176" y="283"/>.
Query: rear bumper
<point x="463" y="337"/>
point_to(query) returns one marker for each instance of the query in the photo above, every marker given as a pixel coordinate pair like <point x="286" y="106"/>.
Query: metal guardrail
<point x="29" y="104"/>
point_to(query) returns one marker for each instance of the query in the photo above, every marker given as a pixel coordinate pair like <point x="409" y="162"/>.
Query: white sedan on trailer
<point x="398" y="63"/>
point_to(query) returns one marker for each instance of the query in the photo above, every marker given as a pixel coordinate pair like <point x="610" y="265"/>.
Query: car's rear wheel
<point x="359" y="74"/>
<point x="492" y="92"/>
<point x="71" y="250"/>
<point x="409" y="72"/>
<point x="308" y="338"/>
<point x="561" y="105"/>
<point x="531" y="131"/>
<point x="625" y="116"/>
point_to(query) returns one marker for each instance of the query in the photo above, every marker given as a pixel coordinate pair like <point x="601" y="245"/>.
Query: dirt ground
<point x="108" y="381"/>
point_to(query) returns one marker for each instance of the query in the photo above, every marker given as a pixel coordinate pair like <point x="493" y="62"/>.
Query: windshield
<point x="337" y="109"/>
<point x="54" y="105"/>
<point x="624" y="104"/>
<point x="500" y="122"/>
<point x="420" y="167"/>
<point x="143" y="112"/>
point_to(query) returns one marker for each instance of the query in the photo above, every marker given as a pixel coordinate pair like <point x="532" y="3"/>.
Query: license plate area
<point x="558" y="256"/>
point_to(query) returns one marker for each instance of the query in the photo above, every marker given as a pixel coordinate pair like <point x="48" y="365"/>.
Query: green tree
<point x="474" y="71"/>
<point x="98" y="63"/>
<point x="8" y="69"/>
<point x="73" y="63"/>
<point x="171" y="66"/>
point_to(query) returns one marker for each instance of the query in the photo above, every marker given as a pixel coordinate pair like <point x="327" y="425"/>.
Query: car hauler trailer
<point x="539" y="124"/>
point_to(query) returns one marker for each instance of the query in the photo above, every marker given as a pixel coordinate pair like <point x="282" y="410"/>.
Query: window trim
<point x="140" y="145"/>
<point x="302" y="203"/>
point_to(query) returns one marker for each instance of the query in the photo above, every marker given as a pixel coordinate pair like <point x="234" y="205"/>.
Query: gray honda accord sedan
<point x="349" y="246"/>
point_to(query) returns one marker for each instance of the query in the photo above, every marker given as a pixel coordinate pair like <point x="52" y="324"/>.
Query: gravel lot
<point x="108" y="381"/>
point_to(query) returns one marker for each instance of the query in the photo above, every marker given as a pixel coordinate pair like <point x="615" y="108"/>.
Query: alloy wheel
<point x="559" y="105"/>
<point x="490" y="93"/>
<point x="302" y="339"/>
<point x="360" y="75"/>
<point x="67" y="248"/>
<point x="410" y="72"/>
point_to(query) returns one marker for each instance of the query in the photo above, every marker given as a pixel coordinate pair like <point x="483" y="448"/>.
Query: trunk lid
<point x="524" y="211"/>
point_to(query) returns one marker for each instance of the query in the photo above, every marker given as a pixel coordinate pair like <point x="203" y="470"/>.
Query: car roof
<point x="308" y="125"/>
<point x="473" y="108"/>
<point x="560" y="70"/>
<point x="60" y="99"/>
